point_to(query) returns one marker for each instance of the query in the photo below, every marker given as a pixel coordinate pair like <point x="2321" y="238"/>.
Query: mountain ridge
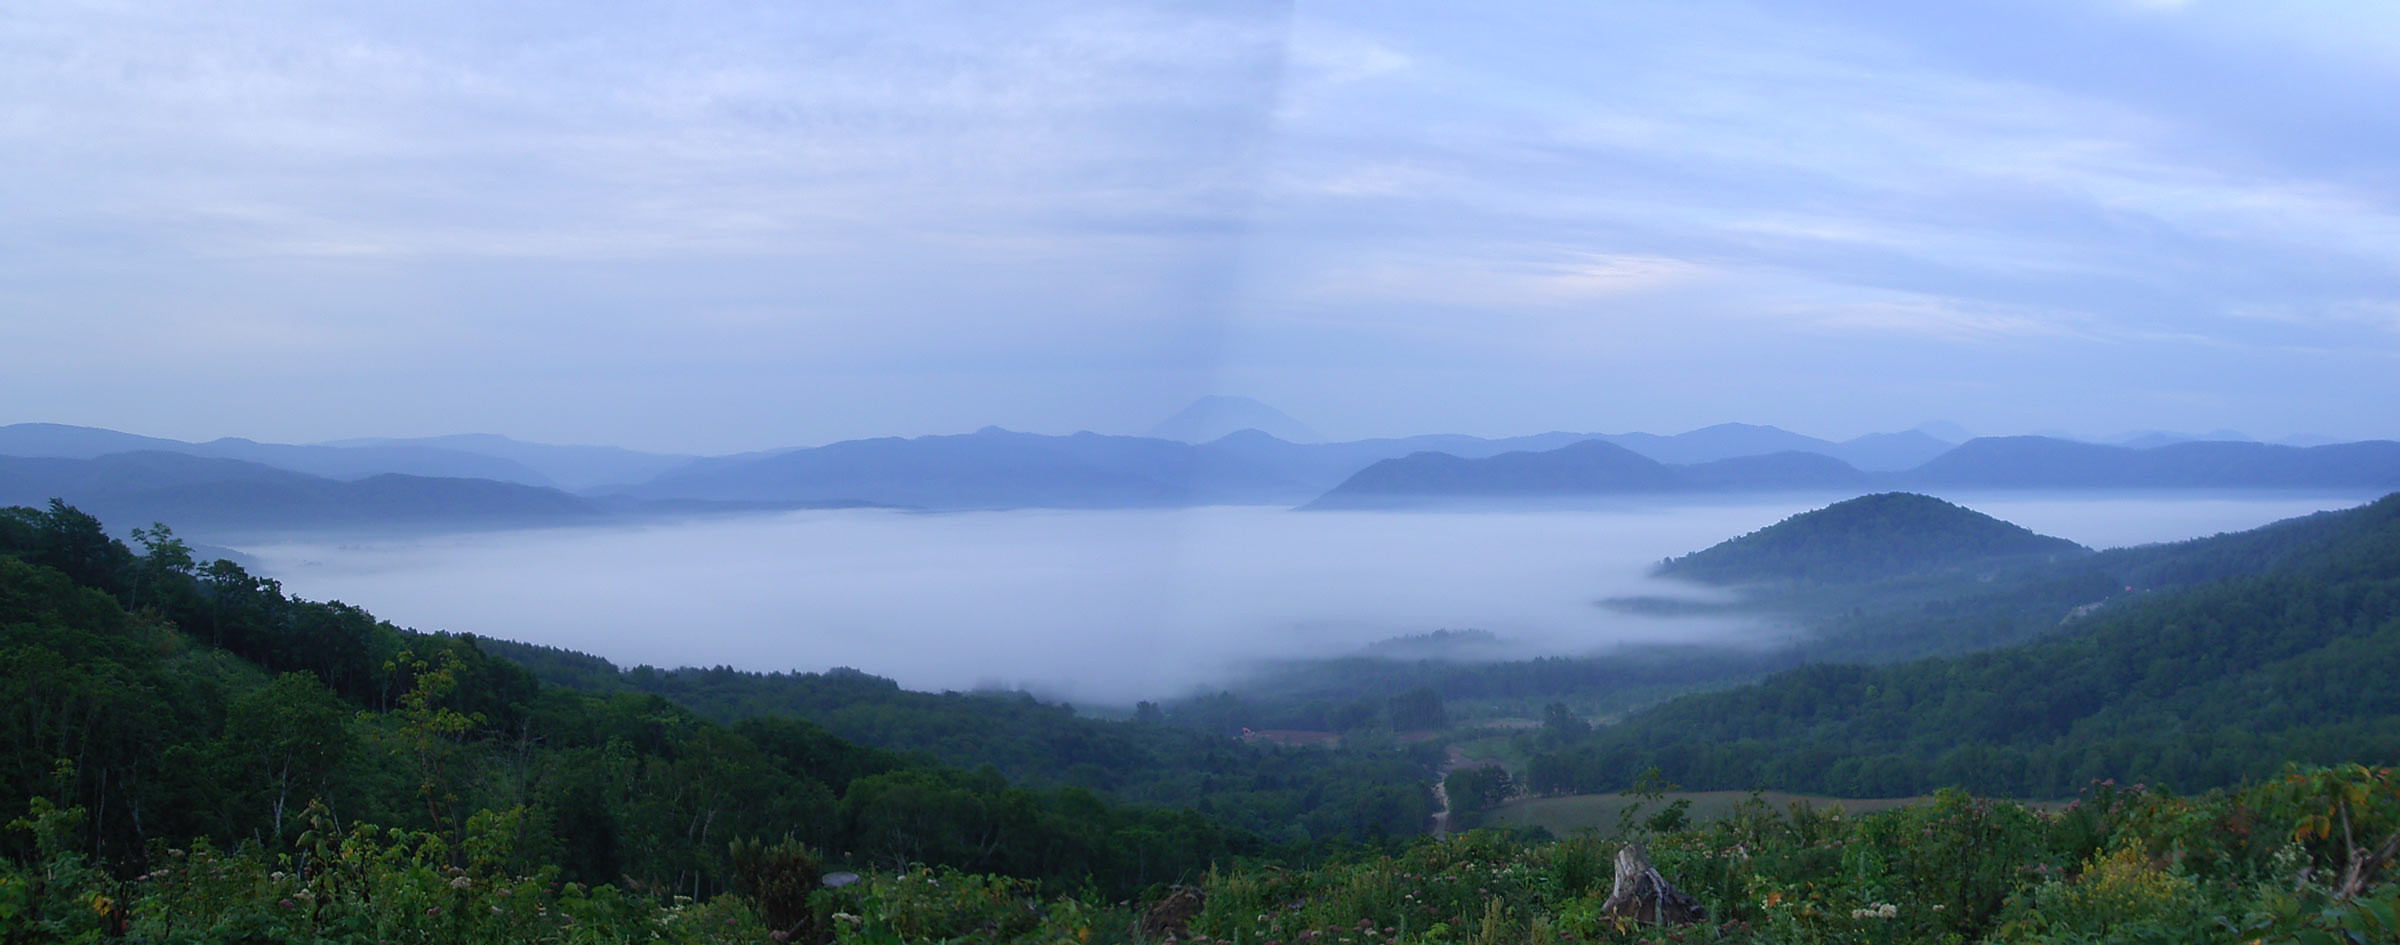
<point x="2027" y="463"/>
<point x="217" y="497"/>
<point x="995" y="468"/>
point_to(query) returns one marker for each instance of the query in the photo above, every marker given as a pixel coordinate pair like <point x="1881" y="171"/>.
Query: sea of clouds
<point x="1104" y="606"/>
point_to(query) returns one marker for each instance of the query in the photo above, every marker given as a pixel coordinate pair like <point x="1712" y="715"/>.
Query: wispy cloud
<point x="1527" y="280"/>
<point x="1035" y="200"/>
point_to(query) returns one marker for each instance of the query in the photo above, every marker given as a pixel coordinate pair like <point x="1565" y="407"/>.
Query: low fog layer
<point x="1103" y="606"/>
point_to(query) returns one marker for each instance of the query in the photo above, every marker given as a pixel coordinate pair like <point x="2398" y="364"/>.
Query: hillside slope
<point x="2195" y="686"/>
<point x="1868" y="537"/>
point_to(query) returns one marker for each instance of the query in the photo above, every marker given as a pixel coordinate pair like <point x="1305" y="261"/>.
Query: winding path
<point x="1452" y="758"/>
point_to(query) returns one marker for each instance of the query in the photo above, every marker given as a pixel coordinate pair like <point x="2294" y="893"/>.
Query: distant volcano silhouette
<point x="1211" y="418"/>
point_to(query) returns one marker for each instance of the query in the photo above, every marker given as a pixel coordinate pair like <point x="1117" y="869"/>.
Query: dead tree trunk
<point x="2363" y="865"/>
<point x="1644" y="896"/>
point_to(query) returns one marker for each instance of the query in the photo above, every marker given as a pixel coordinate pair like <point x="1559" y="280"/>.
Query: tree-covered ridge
<point x="1179" y="758"/>
<point x="2197" y="687"/>
<point x="171" y="704"/>
<point x="1869" y="537"/>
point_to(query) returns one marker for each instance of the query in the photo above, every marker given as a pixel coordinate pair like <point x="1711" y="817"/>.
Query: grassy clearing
<point x="1565" y="815"/>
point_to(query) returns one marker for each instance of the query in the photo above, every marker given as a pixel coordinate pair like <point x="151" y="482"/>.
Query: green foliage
<point x="1418" y="709"/>
<point x="203" y="721"/>
<point x="1955" y="868"/>
<point x="1799" y="875"/>
<point x="779" y="879"/>
<point x="1960" y="859"/>
<point x="1477" y="788"/>
<point x="1365" y="791"/>
<point x="199" y="706"/>
<point x="2203" y="686"/>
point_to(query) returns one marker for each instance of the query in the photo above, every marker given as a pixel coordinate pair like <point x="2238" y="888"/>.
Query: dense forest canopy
<point x="169" y="701"/>
<point x="1185" y="758"/>
<point x="206" y="758"/>
<point x="2278" y="649"/>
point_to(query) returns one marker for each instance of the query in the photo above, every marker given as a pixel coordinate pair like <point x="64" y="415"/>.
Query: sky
<point x="711" y="226"/>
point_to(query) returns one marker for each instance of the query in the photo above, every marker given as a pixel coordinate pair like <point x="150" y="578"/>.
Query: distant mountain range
<point x="334" y="462"/>
<point x="2032" y="462"/>
<point x="995" y="468"/>
<point x="279" y="484"/>
<point x="222" y="497"/>
<point x="1216" y="417"/>
<point x="1594" y="468"/>
<point x="465" y="456"/>
<point x="573" y="468"/>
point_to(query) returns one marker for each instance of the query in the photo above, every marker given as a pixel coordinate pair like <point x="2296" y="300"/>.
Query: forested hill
<point x="1872" y="536"/>
<point x="1172" y="758"/>
<point x="2285" y="654"/>
<point x="158" y="703"/>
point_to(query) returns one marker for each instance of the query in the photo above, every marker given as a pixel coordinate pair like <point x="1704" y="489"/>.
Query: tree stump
<point x="1644" y="896"/>
<point x="1171" y="917"/>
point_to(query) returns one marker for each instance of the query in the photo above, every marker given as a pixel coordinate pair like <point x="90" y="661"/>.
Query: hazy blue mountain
<point x="366" y="461"/>
<point x="2145" y="439"/>
<point x="1587" y="468"/>
<point x="1944" y="431"/>
<point x="1989" y="463"/>
<point x="1321" y="466"/>
<point x="1310" y="467"/>
<point x="2032" y="462"/>
<point x="1723" y="441"/>
<point x="1889" y="452"/>
<point x="1214" y="417"/>
<point x="335" y="462"/>
<point x="1865" y="538"/>
<point x="1001" y="469"/>
<point x="996" y="468"/>
<point x="1363" y="452"/>
<point x="1592" y="467"/>
<point x="27" y="480"/>
<point x="992" y="468"/>
<point x="74" y="442"/>
<point x="1206" y="473"/>
<point x="1791" y="470"/>
<point x="569" y="467"/>
<point x="208" y="496"/>
<point x="1874" y="452"/>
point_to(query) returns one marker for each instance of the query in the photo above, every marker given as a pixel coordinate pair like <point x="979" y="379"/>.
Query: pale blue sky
<point x="718" y="226"/>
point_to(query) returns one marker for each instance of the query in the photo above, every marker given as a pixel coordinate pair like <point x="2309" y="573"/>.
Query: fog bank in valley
<point x="1105" y="606"/>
